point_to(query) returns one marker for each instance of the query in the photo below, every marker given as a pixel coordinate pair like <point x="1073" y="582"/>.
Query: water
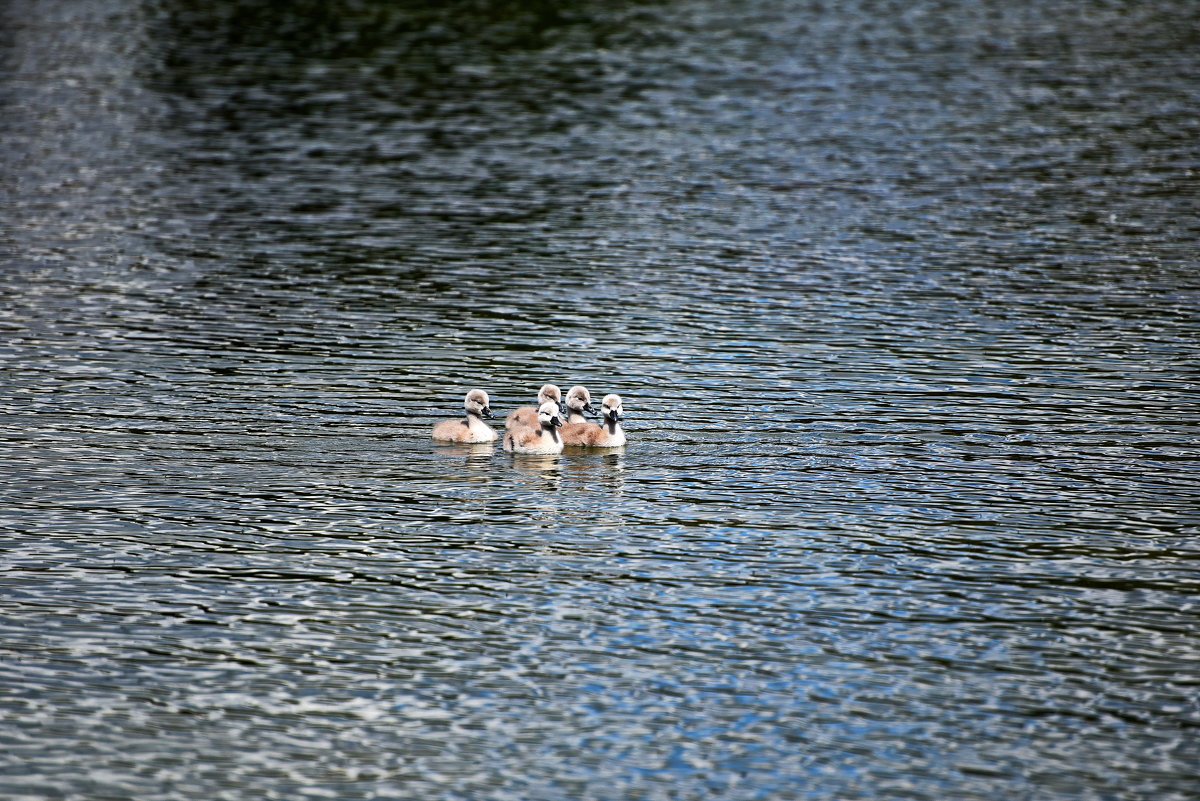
<point x="901" y="298"/>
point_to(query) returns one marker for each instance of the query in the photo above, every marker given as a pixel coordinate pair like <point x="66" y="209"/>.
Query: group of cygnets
<point x="540" y="429"/>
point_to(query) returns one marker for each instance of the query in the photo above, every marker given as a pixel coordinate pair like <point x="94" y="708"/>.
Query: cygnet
<point x="472" y="429"/>
<point x="543" y="439"/>
<point x="608" y="434"/>
<point x="527" y="416"/>
<point x="579" y="403"/>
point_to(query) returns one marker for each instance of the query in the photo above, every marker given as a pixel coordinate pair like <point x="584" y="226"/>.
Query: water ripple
<point x="900" y="299"/>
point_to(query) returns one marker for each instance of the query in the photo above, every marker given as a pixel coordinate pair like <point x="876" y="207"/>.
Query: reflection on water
<point x="471" y="460"/>
<point x="903" y="294"/>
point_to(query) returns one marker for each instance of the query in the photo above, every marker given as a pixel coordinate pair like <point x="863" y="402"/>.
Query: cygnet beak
<point x="556" y="421"/>
<point x="486" y="411"/>
<point x="587" y="407"/>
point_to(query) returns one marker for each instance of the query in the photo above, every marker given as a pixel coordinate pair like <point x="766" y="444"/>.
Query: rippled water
<point x="902" y="300"/>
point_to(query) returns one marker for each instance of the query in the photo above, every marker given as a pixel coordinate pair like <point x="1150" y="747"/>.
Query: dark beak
<point x="562" y="408"/>
<point x="486" y="411"/>
<point x="556" y="421"/>
<point x="587" y="407"/>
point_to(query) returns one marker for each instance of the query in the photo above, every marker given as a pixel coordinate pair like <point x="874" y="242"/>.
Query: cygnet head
<point x="611" y="408"/>
<point x="548" y="414"/>
<point x="549" y="392"/>
<point x="477" y="403"/>
<point x="580" y="400"/>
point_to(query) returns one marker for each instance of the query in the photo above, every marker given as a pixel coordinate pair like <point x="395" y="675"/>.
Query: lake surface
<point x="902" y="299"/>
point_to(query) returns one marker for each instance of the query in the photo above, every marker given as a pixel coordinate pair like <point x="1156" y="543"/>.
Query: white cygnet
<point x="543" y="439"/>
<point x="579" y="403"/>
<point x="472" y="429"/>
<point x="527" y="416"/>
<point x="608" y="434"/>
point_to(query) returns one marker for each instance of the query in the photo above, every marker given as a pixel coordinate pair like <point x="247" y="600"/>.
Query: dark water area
<point x="902" y="300"/>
